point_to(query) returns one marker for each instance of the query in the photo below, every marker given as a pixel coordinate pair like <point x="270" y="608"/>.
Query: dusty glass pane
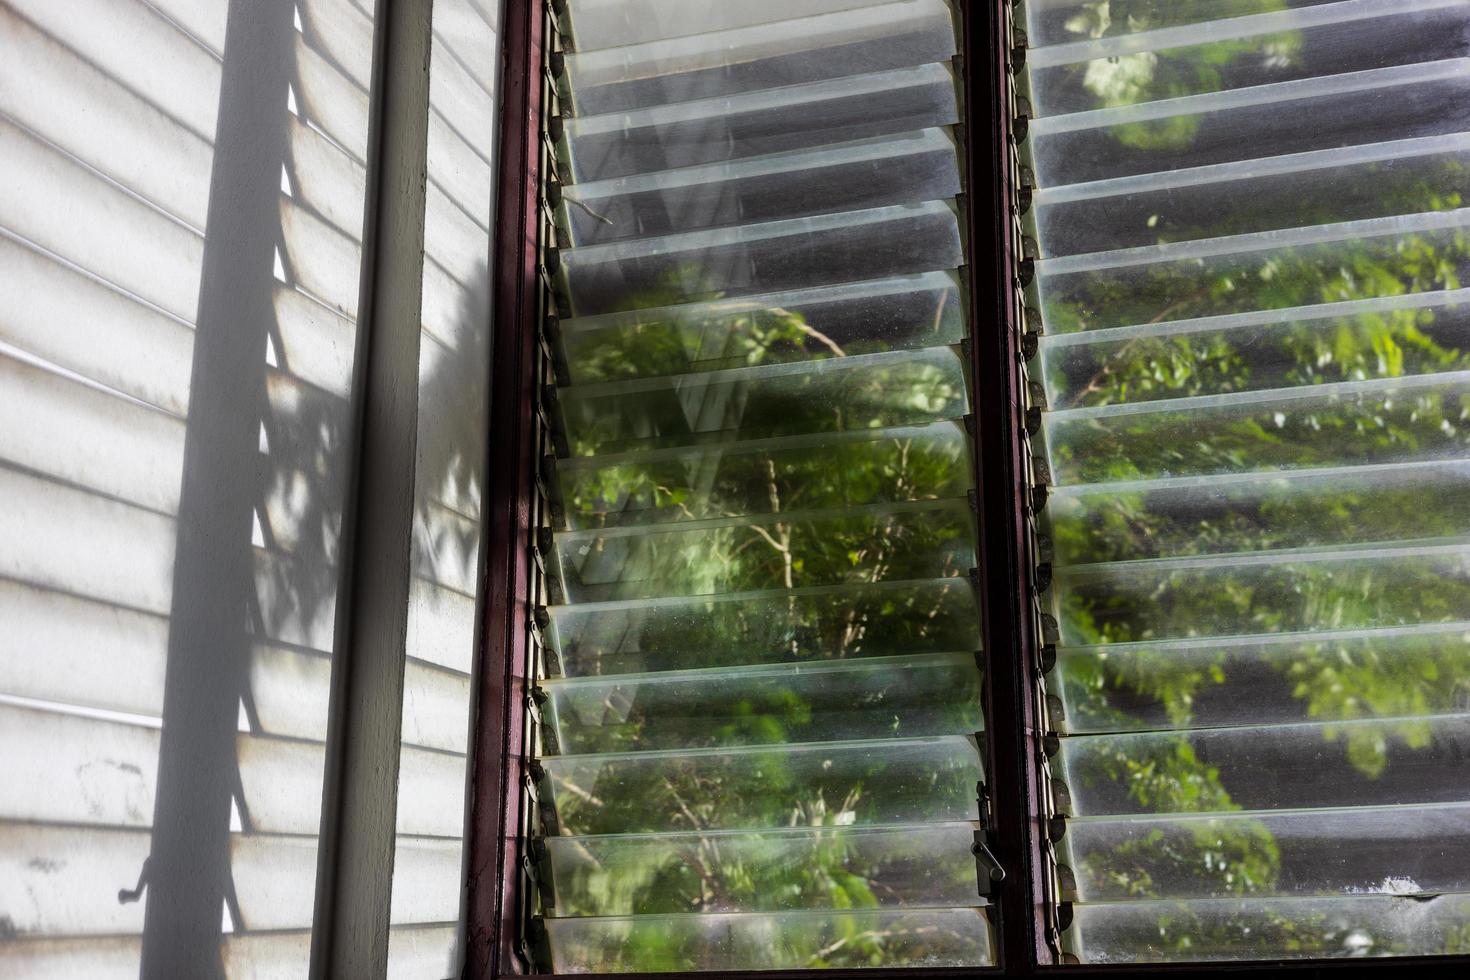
<point x="1252" y="244"/>
<point x="878" y="781"/>
<point x="772" y="941"/>
<point x="883" y="867"/>
<point x="1231" y="929"/>
<point x="810" y="472"/>
<point x="871" y="697"/>
<point x="1368" y="850"/>
<point x="858" y="392"/>
<point x="772" y="626"/>
<point x="761" y="643"/>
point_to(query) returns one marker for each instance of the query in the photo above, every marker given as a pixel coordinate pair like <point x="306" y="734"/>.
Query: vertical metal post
<point x="1002" y="476"/>
<point x="188" y="872"/>
<point x="494" y="812"/>
<point x="360" y="795"/>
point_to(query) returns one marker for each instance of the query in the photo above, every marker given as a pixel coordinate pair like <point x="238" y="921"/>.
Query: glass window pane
<point x="1251" y="248"/>
<point x="762" y="699"/>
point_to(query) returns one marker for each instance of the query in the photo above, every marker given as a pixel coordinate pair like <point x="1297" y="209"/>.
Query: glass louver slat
<point x="758" y="728"/>
<point x="897" y="313"/>
<point x="838" y="394"/>
<point x="790" y="253"/>
<point x="929" y="937"/>
<point x="907" y="169"/>
<point x="1329" y="663"/>
<point x="1270" y="343"/>
<point x="762" y="121"/>
<point x="917" y="540"/>
<point x="1275" y="928"/>
<point x="875" y="867"/>
<point x="1370" y="105"/>
<point x="1300" y="766"/>
<point x="1346" y="851"/>
<point x="1331" y="186"/>
<point x="813" y="46"/>
<point x="700" y="482"/>
<point x="1261" y="48"/>
<point x="863" y="698"/>
<point x="1251" y="260"/>
<point x="771" y="626"/>
<point x="761" y="787"/>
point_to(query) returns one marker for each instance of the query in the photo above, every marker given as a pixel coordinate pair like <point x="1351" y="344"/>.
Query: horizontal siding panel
<point x="95" y="958"/>
<point x="320" y="259"/>
<point x="73" y="541"/>
<point x="283" y="779"/>
<point x="342" y="31"/>
<point x="70" y="319"/>
<point x="204" y="20"/>
<point x="63" y="880"/>
<point x="73" y="432"/>
<point x="436" y="707"/>
<point x="291" y="688"/>
<point x="318" y="345"/>
<point x="469" y="30"/>
<point x="64" y="768"/>
<point x="414" y="952"/>
<point x="465" y="176"/>
<point x="65" y="208"/>
<point x="275" y="878"/>
<point x="451" y="309"/>
<point x="297" y="599"/>
<point x="325" y="179"/>
<point x="457" y="96"/>
<point x="452" y="401"/>
<point x="59" y="647"/>
<point x="431" y="787"/>
<point x="331" y="101"/>
<point x="58" y="95"/>
<point x="129" y="42"/>
<point x="454" y="240"/>
<point x="446" y="548"/>
<point x="441" y="626"/>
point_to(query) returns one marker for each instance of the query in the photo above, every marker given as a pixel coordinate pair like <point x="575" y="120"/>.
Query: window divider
<point x="360" y="789"/>
<point x="1003" y="478"/>
<point x="494" y="846"/>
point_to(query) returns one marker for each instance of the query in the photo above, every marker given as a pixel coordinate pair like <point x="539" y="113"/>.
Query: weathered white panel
<point x="74" y="541"/>
<point x="52" y="200"/>
<point x="73" y="432"/>
<point x="57" y="647"/>
<point x="63" y="316"/>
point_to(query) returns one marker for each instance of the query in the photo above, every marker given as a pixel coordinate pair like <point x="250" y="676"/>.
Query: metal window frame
<point x="498" y="772"/>
<point x="1015" y="715"/>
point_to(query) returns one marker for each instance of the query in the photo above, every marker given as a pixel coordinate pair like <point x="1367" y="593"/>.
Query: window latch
<point x="986" y="860"/>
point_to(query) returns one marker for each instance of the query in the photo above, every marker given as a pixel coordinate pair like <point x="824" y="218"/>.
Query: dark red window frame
<point x="1014" y="744"/>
